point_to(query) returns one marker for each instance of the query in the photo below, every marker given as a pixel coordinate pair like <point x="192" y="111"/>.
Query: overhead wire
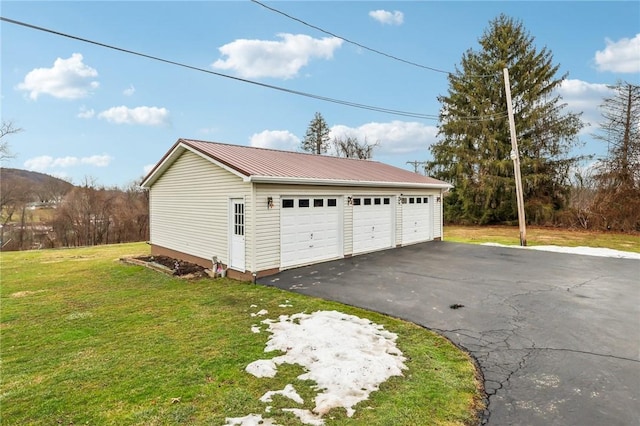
<point x="360" y="45"/>
<point x="244" y="80"/>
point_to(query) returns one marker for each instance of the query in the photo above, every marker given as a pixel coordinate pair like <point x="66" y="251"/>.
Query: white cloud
<point x="385" y="17"/>
<point x="45" y="162"/>
<point x="86" y="113"/>
<point x="97" y="160"/>
<point x="67" y="79"/>
<point x="395" y="137"/>
<point x="584" y="97"/>
<point x="148" y="116"/>
<point x="620" y="56"/>
<point x="148" y="168"/>
<point x="275" y="139"/>
<point x="129" y="91"/>
<point x="279" y="59"/>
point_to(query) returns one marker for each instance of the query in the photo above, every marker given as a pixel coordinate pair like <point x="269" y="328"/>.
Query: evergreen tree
<point x="317" y="138"/>
<point x="474" y="150"/>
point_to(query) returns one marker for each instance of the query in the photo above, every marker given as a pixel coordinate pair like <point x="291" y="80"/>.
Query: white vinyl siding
<point x="189" y="208"/>
<point x="437" y="216"/>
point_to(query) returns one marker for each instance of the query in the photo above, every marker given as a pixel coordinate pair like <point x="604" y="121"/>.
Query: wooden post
<point x="515" y="156"/>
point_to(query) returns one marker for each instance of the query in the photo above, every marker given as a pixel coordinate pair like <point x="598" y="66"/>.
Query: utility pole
<point x="515" y="156"/>
<point x="415" y="165"/>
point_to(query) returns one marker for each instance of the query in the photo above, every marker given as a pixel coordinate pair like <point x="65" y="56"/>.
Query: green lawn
<point x="86" y="339"/>
<point x="537" y="236"/>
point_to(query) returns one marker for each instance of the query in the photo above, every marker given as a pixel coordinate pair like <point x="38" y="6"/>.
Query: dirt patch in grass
<point x="176" y="267"/>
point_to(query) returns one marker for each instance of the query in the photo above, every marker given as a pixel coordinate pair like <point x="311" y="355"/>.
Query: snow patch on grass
<point x="586" y="251"/>
<point x="346" y="356"/>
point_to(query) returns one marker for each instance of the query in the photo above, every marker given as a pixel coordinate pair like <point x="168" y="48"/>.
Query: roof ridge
<point x="277" y="150"/>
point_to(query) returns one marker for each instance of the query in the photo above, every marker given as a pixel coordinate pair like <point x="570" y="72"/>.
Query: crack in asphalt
<point x="500" y="354"/>
<point x="495" y="376"/>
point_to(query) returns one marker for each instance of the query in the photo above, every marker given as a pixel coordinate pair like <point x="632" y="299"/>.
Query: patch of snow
<point x="249" y="420"/>
<point x="285" y="305"/>
<point x="348" y="357"/>
<point x="306" y="416"/>
<point x="255" y="329"/>
<point x="260" y="313"/>
<point x="288" y="391"/>
<point x="586" y="251"/>
<point x="262" y="368"/>
<point x="253" y="306"/>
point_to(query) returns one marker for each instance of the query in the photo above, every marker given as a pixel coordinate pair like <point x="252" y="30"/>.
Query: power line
<point x="349" y="41"/>
<point x="244" y="80"/>
<point x="388" y="55"/>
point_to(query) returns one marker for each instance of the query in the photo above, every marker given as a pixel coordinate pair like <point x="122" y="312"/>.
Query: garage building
<point x="258" y="211"/>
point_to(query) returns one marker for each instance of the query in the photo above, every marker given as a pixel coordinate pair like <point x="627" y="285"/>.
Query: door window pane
<point x="303" y="202"/>
<point x="287" y="204"/>
<point x="367" y="201"/>
<point x="331" y="202"/>
<point x="318" y="202"/>
<point x="238" y="219"/>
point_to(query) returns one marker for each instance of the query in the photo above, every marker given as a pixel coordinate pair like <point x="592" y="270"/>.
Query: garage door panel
<point x="372" y="223"/>
<point x="417" y="219"/>
<point x="309" y="230"/>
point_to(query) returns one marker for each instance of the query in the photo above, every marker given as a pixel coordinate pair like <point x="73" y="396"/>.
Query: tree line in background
<point x="55" y="213"/>
<point x="474" y="150"/>
<point x="317" y="141"/>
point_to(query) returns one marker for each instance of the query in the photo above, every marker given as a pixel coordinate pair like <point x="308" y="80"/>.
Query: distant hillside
<point x="16" y="177"/>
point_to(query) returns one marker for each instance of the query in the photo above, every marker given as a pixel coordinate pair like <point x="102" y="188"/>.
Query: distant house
<point x="258" y="211"/>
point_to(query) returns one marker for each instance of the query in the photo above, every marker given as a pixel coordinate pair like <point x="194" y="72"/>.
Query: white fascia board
<point x="341" y="182"/>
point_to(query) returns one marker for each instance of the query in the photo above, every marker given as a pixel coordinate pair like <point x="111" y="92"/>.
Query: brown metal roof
<point x="261" y="164"/>
<point x="251" y="161"/>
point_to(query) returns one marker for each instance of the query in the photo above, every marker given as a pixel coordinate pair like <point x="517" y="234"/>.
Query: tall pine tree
<point x="474" y="149"/>
<point x="317" y="138"/>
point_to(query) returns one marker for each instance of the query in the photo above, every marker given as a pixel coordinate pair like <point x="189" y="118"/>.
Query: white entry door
<point x="417" y="219"/>
<point x="310" y="229"/>
<point x="237" y="231"/>
<point x="373" y="224"/>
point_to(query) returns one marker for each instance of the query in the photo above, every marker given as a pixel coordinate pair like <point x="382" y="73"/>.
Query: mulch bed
<point x="176" y="267"/>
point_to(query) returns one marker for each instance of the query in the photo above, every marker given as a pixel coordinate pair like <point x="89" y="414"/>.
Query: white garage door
<point x="310" y="230"/>
<point x="417" y="219"/>
<point x="372" y="223"/>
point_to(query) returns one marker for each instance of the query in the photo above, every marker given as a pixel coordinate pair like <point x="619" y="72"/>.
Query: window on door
<point x="238" y="219"/>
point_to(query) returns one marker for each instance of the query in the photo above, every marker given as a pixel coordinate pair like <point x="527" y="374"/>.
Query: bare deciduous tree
<point x="351" y="147"/>
<point x="7" y="128"/>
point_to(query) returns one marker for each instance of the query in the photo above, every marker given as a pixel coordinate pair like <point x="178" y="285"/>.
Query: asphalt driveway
<point x="557" y="336"/>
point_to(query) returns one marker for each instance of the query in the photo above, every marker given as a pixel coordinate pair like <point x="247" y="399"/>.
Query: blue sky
<point x="88" y="111"/>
